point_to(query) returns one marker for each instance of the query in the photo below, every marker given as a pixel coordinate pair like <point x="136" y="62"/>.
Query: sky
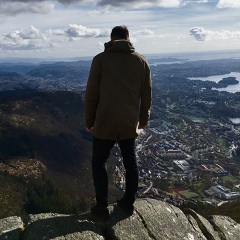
<point x="78" y="28"/>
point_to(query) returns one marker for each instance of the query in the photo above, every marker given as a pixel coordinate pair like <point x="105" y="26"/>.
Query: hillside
<point x="67" y="71"/>
<point x="45" y="154"/>
<point x="53" y="76"/>
<point x="11" y="81"/>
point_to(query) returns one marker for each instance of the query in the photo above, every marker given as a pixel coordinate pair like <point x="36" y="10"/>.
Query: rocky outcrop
<point x="11" y="228"/>
<point x="152" y="219"/>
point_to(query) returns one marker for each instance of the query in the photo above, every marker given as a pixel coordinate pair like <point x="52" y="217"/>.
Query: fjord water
<point x="216" y="78"/>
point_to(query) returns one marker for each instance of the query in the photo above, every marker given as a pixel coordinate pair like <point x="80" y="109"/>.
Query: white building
<point x="183" y="165"/>
<point x="195" y="155"/>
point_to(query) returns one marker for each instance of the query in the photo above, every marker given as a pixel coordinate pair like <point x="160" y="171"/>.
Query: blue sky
<point x="77" y="28"/>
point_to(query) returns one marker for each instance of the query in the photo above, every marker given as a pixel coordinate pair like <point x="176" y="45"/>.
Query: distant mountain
<point x="12" y="81"/>
<point x="41" y="60"/>
<point x="61" y="70"/>
<point x="21" y="67"/>
<point x="26" y="67"/>
<point x="79" y="63"/>
<point x="45" y="76"/>
<point x="11" y="76"/>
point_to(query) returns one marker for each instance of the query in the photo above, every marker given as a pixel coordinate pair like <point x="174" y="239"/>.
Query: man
<point x="118" y="100"/>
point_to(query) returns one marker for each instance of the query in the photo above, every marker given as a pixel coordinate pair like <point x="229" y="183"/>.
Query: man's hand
<point x="142" y="126"/>
<point x="89" y="129"/>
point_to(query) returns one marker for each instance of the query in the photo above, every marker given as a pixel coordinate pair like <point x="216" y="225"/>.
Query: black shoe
<point x="126" y="207"/>
<point x="100" y="211"/>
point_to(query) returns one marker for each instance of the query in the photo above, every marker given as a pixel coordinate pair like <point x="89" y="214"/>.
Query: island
<point x="228" y="81"/>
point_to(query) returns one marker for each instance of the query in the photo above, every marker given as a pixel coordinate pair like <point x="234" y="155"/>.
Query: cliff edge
<point x="152" y="219"/>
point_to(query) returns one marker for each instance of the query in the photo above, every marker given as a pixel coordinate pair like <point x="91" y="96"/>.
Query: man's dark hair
<point x="120" y="32"/>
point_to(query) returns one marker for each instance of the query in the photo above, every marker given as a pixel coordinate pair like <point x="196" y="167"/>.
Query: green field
<point x="194" y="118"/>
<point x="188" y="194"/>
<point x="230" y="178"/>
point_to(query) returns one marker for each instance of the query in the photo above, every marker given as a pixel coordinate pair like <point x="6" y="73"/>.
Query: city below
<point x="190" y="151"/>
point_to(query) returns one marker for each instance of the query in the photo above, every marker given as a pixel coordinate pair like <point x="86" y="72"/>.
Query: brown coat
<point x="118" y="93"/>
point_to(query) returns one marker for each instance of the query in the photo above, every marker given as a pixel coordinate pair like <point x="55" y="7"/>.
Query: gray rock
<point x="10" y="228"/>
<point x="228" y="228"/>
<point x="62" y="227"/>
<point x="152" y="219"/>
<point x="126" y="227"/>
<point x="164" y="221"/>
<point x="205" y="226"/>
<point x="194" y="224"/>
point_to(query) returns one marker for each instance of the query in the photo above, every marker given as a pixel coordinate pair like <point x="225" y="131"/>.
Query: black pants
<point x="101" y="152"/>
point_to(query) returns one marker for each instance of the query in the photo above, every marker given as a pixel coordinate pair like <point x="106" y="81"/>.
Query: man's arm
<point x="92" y="94"/>
<point x="146" y="100"/>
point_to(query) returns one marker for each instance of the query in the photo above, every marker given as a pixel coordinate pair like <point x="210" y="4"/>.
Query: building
<point x="214" y="168"/>
<point x="222" y="192"/>
<point x="230" y="196"/>
<point x="153" y="123"/>
<point x="181" y="165"/>
<point x="195" y="155"/>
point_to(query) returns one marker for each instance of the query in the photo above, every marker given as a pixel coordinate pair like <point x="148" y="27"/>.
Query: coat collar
<point x="120" y="45"/>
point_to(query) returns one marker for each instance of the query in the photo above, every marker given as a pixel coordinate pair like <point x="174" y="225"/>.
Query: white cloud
<point x="144" y="32"/>
<point x="185" y="2"/>
<point x="10" y="7"/>
<point x="16" y="7"/>
<point x="21" y="44"/>
<point x="79" y="31"/>
<point x="20" y="40"/>
<point x="33" y="33"/>
<point x="100" y="44"/>
<point x="67" y="2"/>
<point x="140" y="3"/>
<point x="228" y="4"/>
<point x="166" y="22"/>
<point x="57" y="32"/>
<point x="33" y="39"/>
<point x="200" y="34"/>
